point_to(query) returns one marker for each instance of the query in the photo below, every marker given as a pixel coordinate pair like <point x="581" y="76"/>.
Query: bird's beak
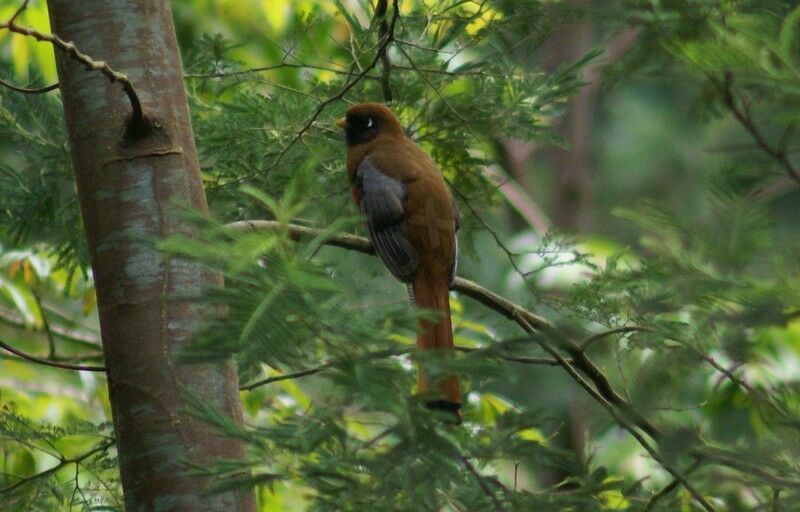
<point x="341" y="122"/>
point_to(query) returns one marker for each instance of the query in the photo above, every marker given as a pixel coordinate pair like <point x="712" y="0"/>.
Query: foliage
<point x="680" y="330"/>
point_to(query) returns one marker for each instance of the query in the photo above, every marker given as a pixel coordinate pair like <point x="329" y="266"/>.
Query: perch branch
<point x="602" y="390"/>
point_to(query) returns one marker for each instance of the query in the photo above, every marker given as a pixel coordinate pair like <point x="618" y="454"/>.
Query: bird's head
<point x="365" y="121"/>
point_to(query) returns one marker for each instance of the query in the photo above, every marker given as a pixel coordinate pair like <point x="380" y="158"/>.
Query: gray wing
<point x="454" y="266"/>
<point x="382" y="203"/>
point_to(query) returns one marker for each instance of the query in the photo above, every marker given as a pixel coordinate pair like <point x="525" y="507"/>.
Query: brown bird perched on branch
<point x="412" y="221"/>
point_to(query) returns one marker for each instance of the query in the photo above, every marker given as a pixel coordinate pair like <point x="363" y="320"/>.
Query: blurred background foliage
<point x="625" y="168"/>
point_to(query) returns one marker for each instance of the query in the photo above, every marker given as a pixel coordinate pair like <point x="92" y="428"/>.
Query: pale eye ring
<point x="370" y="122"/>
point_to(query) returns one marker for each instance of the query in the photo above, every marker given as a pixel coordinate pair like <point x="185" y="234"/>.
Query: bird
<point x="412" y="221"/>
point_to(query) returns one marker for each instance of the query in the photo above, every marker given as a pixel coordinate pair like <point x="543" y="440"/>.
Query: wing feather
<point x="383" y="202"/>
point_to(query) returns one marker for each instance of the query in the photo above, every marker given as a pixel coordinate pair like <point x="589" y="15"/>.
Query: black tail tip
<point x="446" y="406"/>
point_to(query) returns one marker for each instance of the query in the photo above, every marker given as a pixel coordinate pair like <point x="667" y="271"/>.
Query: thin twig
<point x="63" y="462"/>
<point x="285" y="376"/>
<point x="436" y="90"/>
<point x="262" y="69"/>
<point x="384" y="42"/>
<point x="623" y="422"/>
<point x="26" y="90"/>
<point x="85" y="340"/>
<point x="726" y="89"/>
<point x="51" y="343"/>
<point x="485" y="488"/>
<point x="22" y="7"/>
<point x="381" y="354"/>
<point x="617" y="330"/>
<point x="544" y="361"/>
<point x="47" y="362"/>
<point x="735" y="461"/>
<point x="743" y="384"/>
<point x="651" y="503"/>
<point x="498" y="241"/>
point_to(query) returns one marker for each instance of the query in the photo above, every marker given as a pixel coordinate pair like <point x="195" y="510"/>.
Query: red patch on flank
<point x="356" y="196"/>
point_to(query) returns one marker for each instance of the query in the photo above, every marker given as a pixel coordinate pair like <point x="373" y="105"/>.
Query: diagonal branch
<point x="621" y="420"/>
<point x="597" y="386"/>
<point x="651" y="503"/>
<point x="285" y="376"/>
<point x="527" y="320"/>
<point x="726" y="89"/>
<point x="602" y="390"/>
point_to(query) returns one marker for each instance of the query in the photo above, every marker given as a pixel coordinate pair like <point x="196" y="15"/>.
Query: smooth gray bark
<point x="128" y="190"/>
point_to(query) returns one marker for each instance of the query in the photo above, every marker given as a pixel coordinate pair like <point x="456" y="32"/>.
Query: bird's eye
<point x="370" y="123"/>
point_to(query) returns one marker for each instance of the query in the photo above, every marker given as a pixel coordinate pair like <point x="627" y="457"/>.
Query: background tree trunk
<point x="129" y="190"/>
<point x="572" y="173"/>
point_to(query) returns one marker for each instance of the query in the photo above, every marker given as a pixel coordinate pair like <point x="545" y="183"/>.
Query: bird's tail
<point x="436" y="334"/>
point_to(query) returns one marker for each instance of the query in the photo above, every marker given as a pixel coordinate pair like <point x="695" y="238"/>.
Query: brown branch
<point x="48" y="362"/>
<point x="26" y="90"/>
<point x="138" y="119"/>
<point x="600" y="397"/>
<point x="529" y="322"/>
<point x="62" y="463"/>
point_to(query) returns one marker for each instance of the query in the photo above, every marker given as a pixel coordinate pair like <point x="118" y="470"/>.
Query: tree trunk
<point x="572" y="173"/>
<point x="129" y="190"/>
